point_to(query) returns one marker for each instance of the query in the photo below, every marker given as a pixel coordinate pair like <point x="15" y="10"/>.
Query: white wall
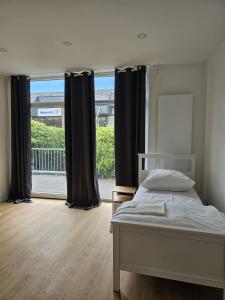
<point x="4" y="141"/>
<point x="214" y="171"/>
<point x="181" y="79"/>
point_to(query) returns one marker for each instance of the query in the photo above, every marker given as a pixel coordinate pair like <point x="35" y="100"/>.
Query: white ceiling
<point x="103" y="33"/>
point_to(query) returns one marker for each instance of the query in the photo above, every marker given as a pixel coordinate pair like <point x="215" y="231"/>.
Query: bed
<point x="186" y="247"/>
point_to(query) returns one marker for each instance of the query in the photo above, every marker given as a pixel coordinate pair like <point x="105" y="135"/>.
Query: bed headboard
<point x="181" y="162"/>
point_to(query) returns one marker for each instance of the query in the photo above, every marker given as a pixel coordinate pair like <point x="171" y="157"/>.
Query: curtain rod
<point x="123" y="69"/>
<point x="77" y="73"/>
<point x="51" y="76"/>
<point x="96" y="71"/>
<point x="61" y="74"/>
<point x="44" y="76"/>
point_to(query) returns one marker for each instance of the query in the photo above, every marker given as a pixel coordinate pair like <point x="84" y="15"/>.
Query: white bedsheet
<point x="183" y="209"/>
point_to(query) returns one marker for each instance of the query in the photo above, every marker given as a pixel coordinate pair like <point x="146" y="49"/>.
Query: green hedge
<point x="105" y="151"/>
<point x="44" y="136"/>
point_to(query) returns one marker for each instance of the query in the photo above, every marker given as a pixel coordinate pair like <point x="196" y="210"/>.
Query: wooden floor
<point x="48" y="251"/>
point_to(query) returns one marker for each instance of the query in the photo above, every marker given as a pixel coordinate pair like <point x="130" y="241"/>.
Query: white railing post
<point x="48" y="160"/>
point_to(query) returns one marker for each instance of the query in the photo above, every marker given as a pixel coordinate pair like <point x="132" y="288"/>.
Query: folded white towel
<point x="142" y="208"/>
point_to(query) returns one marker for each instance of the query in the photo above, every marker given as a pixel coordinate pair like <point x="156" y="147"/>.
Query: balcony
<point x="49" y="175"/>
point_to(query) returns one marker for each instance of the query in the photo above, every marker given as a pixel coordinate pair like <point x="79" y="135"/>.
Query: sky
<point x="106" y="82"/>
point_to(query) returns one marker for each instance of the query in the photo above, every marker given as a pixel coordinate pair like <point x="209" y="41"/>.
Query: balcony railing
<point x="48" y="161"/>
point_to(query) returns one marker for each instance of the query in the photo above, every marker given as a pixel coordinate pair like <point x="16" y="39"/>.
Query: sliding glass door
<point x="104" y="110"/>
<point x="48" y="142"/>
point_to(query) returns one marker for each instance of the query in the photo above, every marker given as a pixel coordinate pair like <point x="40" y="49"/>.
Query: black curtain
<point x="130" y="97"/>
<point x="80" y="141"/>
<point x="20" y="189"/>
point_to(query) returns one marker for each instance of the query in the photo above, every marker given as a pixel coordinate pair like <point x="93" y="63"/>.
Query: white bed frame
<point x="188" y="255"/>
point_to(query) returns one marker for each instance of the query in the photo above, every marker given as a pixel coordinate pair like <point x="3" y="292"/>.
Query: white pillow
<point x="168" y="180"/>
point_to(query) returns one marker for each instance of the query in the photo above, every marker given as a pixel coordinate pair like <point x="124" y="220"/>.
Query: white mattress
<point x="183" y="209"/>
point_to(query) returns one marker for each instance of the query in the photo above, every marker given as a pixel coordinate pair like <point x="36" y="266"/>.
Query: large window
<point x="104" y="109"/>
<point x="48" y="144"/>
<point x="47" y="133"/>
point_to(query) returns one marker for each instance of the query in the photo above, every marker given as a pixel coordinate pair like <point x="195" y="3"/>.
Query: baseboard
<point x="3" y="197"/>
